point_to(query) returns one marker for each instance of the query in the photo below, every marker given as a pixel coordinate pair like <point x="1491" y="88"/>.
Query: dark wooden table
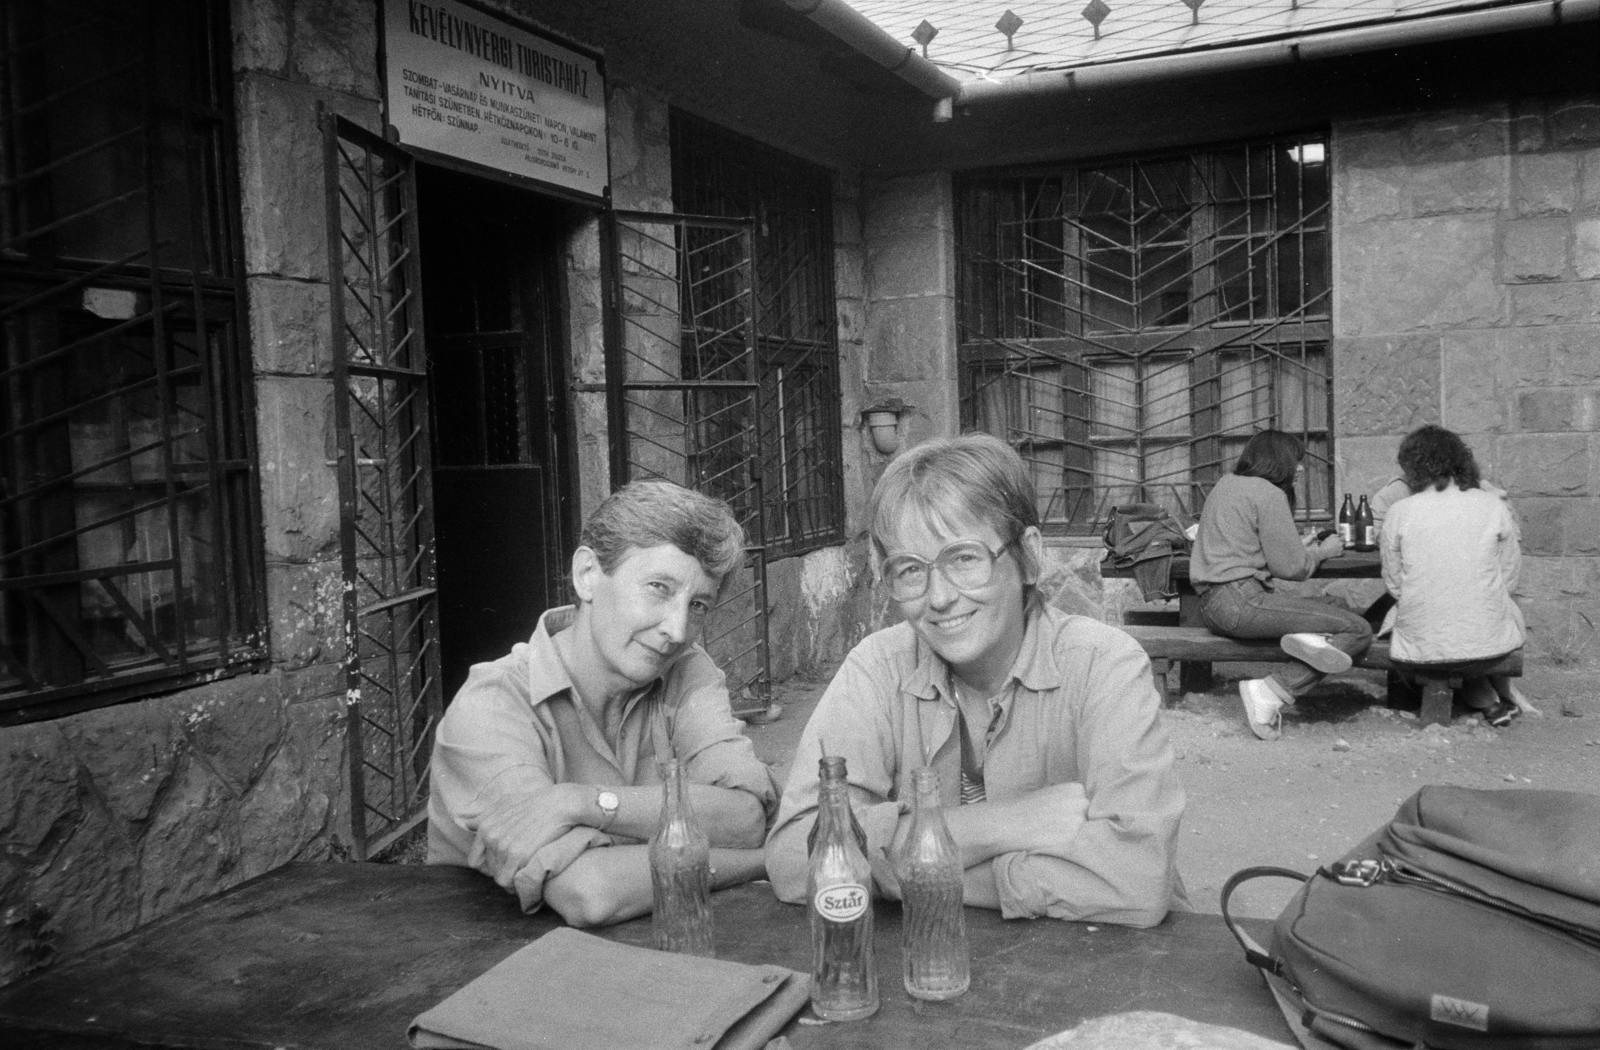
<point x="1351" y="565"/>
<point x="345" y="955"/>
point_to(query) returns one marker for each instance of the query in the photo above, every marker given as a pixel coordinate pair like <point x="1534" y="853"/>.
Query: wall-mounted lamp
<point x="882" y="420"/>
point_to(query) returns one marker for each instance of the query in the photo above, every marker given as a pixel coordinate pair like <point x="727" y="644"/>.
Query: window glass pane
<point x="129" y="541"/>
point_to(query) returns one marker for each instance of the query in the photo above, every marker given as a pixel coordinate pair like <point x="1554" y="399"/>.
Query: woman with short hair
<point x="551" y="752"/>
<point x="1451" y="558"/>
<point x="1054" y="769"/>
<point x="1247" y="540"/>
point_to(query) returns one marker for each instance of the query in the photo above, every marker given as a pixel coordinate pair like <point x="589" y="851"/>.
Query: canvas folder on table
<point x="574" y="991"/>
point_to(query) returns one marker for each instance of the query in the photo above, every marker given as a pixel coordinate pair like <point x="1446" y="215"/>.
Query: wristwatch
<point x="608" y="803"/>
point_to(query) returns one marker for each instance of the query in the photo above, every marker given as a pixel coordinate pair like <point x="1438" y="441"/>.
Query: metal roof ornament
<point x="1194" y="10"/>
<point x="924" y="35"/>
<point x="1096" y="13"/>
<point x="1008" y="25"/>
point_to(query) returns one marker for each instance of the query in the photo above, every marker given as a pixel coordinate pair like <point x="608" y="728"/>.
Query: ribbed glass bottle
<point x="844" y="974"/>
<point x="680" y="872"/>
<point x="933" y="931"/>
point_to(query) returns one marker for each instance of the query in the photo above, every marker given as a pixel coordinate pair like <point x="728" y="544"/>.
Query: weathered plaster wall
<point x="1467" y="293"/>
<point x="116" y="817"/>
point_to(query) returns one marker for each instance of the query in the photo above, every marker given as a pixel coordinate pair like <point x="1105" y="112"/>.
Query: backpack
<point x="1143" y="537"/>
<point x="1470" y="921"/>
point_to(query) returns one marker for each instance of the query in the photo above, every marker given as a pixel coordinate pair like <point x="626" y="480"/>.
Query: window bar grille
<point x="84" y="214"/>
<point x="1039" y="306"/>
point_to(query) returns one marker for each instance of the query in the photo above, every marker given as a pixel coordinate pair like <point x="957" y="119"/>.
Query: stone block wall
<point x="910" y="340"/>
<point x="1467" y="293"/>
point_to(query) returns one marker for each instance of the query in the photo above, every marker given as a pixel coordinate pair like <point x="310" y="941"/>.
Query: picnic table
<point x="346" y="955"/>
<point x="1191" y="649"/>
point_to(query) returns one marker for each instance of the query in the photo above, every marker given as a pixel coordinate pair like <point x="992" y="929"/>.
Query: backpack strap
<point x="1254" y="954"/>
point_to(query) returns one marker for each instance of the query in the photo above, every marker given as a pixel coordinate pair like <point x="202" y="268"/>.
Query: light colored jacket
<point x="1079" y="709"/>
<point x="1452" y="558"/>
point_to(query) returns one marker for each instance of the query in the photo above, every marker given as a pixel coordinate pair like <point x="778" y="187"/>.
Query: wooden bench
<point x="1178" y="645"/>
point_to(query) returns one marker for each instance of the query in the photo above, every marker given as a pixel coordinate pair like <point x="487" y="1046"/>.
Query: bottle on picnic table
<point x="1366" y="527"/>
<point x="844" y="976"/>
<point x="680" y="872"/>
<point x="1347" y="522"/>
<point x="933" y="932"/>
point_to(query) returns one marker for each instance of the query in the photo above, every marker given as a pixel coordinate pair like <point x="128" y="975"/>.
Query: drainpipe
<point x="1306" y="47"/>
<point x="849" y="26"/>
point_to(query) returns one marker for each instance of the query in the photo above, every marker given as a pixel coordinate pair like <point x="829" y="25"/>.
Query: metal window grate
<point x="685" y="401"/>
<point x="380" y="398"/>
<point x="789" y="205"/>
<point x="129" y="542"/>
<point x="1128" y="325"/>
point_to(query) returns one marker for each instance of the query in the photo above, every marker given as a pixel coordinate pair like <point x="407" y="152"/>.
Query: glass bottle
<point x="844" y="975"/>
<point x="1347" y="522"/>
<point x="933" y="933"/>
<point x="680" y="872"/>
<point x="1366" y="527"/>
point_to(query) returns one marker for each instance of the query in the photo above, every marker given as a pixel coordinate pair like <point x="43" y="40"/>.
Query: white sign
<point x="468" y="85"/>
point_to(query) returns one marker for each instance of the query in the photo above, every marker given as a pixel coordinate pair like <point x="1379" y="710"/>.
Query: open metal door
<point x="684" y="394"/>
<point x="380" y="400"/>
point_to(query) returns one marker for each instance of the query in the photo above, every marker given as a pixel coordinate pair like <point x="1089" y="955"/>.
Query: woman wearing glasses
<point x="1044" y="728"/>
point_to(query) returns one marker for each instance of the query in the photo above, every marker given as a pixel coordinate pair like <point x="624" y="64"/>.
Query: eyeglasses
<point x="967" y="564"/>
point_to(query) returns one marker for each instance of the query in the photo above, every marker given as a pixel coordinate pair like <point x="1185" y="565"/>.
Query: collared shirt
<point x="1451" y="559"/>
<point x="516" y="729"/>
<point x="1080" y="708"/>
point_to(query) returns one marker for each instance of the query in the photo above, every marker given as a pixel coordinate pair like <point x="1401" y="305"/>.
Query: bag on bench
<point x="1144" y="537"/>
<point x="1470" y="921"/>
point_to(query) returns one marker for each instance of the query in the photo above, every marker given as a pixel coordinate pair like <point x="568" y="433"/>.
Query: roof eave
<point x="1285" y="50"/>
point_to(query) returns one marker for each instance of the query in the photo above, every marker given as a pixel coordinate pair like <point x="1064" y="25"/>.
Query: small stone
<point x="1509" y="778"/>
<point x="1409" y="716"/>
<point x="1341" y="744"/>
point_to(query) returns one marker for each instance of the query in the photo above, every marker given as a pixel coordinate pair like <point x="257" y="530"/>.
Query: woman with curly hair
<point x="1451" y="557"/>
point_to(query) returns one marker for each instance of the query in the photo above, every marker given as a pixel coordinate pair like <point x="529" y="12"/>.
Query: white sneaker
<point x="1263" y="708"/>
<point x="1316" y="650"/>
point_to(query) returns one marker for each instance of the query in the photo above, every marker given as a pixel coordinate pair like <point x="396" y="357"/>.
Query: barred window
<point x="718" y="173"/>
<point x="1128" y="324"/>
<point x="128" y="558"/>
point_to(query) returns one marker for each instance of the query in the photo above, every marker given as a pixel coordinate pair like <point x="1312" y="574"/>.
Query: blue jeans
<point x="1247" y="609"/>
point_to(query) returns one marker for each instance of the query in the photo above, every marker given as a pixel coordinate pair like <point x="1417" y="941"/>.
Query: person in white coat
<point x="1451" y="558"/>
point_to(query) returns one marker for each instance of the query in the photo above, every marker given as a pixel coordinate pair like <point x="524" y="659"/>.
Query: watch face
<point x="607" y="801"/>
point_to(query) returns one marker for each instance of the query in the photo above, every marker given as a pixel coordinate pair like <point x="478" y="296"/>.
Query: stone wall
<point x="116" y="817"/>
<point x="1467" y="293"/>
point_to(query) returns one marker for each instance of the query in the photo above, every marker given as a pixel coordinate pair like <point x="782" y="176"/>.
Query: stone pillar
<point x="910" y="344"/>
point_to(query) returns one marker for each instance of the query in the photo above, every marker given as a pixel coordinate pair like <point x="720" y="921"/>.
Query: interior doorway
<point x="504" y="498"/>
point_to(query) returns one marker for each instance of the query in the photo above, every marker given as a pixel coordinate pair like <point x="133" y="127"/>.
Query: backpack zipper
<point x="1371" y="872"/>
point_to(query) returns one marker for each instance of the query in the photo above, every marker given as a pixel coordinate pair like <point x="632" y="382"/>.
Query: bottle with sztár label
<point x="933" y="933"/>
<point x="1347" y="522"/>
<point x="844" y="976"/>
<point x="680" y="872"/>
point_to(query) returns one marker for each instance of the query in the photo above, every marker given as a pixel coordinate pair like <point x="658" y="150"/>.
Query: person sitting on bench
<point x="1247" y="539"/>
<point x="1451" y="556"/>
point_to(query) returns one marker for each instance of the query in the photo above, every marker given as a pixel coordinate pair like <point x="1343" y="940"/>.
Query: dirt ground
<point x="1344" y="763"/>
